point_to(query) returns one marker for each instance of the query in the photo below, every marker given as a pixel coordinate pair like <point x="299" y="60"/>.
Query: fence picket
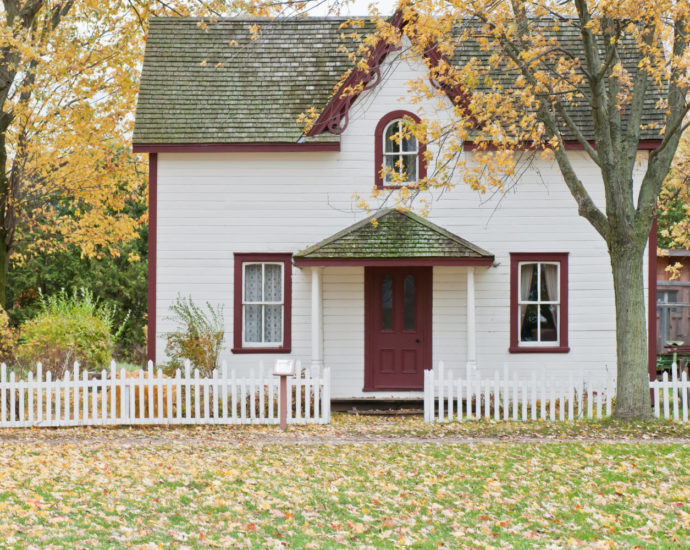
<point x="224" y="391"/>
<point x="487" y="399"/>
<point x="49" y="397"/>
<point x="261" y="389"/>
<point x="39" y="392"/>
<point x="178" y="394"/>
<point x="664" y="392"/>
<point x="685" y="389"/>
<point x="675" y="389"/>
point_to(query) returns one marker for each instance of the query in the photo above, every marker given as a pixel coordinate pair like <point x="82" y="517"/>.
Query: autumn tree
<point x="69" y="71"/>
<point x="674" y="202"/>
<point x="533" y="61"/>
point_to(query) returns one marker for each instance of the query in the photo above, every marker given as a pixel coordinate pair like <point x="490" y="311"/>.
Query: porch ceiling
<point x="392" y="237"/>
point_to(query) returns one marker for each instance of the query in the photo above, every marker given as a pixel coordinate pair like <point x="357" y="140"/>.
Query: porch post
<point x="471" y="322"/>
<point x="316" y="320"/>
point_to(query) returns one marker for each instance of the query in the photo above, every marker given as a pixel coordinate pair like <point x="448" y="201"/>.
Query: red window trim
<point x="515" y="259"/>
<point x="286" y="259"/>
<point x="378" y="148"/>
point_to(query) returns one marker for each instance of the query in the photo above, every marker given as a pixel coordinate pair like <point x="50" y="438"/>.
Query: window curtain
<point x="550" y="272"/>
<point x="526" y="277"/>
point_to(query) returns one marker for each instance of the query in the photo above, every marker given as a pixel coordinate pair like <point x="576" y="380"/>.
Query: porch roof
<point x="393" y="237"/>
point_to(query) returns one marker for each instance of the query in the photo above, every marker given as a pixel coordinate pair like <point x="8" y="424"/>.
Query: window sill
<point x="537" y="349"/>
<point x="260" y="350"/>
<point x="386" y="187"/>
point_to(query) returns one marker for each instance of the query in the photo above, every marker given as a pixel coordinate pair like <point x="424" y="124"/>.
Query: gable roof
<point x="197" y="88"/>
<point x="395" y="234"/>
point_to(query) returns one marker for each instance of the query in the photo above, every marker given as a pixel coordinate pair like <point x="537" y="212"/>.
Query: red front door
<point x="397" y="302"/>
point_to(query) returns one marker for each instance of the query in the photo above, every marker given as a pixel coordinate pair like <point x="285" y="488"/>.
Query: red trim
<point x="515" y="259"/>
<point x="152" y="240"/>
<point x="240" y="258"/>
<point x="334" y="117"/>
<point x="264" y="147"/>
<point x="378" y="148"/>
<point x="643" y="145"/>
<point x="430" y="261"/>
<point x="651" y="301"/>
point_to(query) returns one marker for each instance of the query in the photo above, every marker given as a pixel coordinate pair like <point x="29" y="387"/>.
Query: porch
<point x="403" y="272"/>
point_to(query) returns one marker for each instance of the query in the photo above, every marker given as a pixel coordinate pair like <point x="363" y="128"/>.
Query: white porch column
<point x="316" y="320"/>
<point x="471" y="322"/>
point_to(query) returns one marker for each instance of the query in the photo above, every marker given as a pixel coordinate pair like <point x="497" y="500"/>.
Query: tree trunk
<point x="632" y="392"/>
<point x="4" y="266"/>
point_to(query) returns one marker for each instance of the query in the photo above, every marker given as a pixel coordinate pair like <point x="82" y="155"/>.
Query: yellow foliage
<point x="8" y="338"/>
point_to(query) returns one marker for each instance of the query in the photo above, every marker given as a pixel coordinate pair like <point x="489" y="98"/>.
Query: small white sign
<point x="284" y="367"/>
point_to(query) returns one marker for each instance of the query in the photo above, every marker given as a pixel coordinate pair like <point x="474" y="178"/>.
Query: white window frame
<point x="539" y="303"/>
<point x="262" y="303"/>
<point x="398" y="154"/>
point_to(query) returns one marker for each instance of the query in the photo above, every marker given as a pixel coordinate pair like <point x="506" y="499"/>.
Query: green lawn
<point x="199" y="487"/>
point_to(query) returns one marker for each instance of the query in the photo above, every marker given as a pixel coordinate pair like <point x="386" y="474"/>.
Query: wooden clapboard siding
<point x="212" y="205"/>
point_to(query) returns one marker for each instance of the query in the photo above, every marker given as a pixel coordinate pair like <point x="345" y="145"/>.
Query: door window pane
<point x="409" y="302"/>
<point x="387" y="303"/>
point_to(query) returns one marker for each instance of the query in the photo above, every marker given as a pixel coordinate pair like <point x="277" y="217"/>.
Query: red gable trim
<point x="265" y="147"/>
<point x="334" y="117"/>
<point x="388" y="262"/>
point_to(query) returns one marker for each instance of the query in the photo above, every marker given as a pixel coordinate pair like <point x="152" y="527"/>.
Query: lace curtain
<point x="263" y="322"/>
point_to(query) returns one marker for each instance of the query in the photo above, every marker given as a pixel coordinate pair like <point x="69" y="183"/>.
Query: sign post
<point x="283" y="368"/>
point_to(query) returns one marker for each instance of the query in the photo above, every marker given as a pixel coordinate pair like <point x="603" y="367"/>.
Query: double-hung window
<point x="539" y="302"/>
<point x="398" y="155"/>
<point x="262" y="303"/>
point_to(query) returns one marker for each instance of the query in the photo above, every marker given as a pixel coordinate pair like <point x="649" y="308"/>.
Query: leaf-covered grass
<point x="196" y="487"/>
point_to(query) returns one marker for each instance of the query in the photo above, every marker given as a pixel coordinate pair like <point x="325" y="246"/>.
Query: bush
<point x="8" y="339"/>
<point x="199" y="335"/>
<point x="69" y="328"/>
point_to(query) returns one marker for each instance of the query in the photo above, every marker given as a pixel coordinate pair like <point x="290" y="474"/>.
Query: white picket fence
<point x="148" y="397"/>
<point x="671" y="396"/>
<point x="505" y="396"/>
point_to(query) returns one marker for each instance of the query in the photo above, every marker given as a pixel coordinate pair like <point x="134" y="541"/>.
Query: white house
<point x="247" y="212"/>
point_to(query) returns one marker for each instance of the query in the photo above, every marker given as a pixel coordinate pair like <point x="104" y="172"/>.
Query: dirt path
<point x="218" y="437"/>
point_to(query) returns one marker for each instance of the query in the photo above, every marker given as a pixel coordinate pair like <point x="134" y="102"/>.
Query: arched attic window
<point x="400" y="156"/>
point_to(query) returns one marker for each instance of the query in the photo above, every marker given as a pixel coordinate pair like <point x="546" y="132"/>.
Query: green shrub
<point x="199" y="335"/>
<point x="69" y="328"/>
<point x="8" y="338"/>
